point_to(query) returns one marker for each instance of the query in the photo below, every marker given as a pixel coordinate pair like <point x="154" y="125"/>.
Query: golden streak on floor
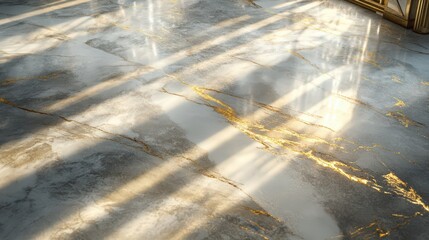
<point x="262" y="134"/>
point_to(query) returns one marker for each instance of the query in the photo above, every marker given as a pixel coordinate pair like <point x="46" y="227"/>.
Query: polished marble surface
<point x="202" y="119"/>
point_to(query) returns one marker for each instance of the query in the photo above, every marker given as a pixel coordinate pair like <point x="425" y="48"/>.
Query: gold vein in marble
<point x="10" y="81"/>
<point x="252" y="3"/>
<point x="371" y="58"/>
<point x="374" y="228"/>
<point x="370" y="231"/>
<point x="260" y="133"/>
<point x="273" y="109"/>
<point x="397" y="115"/>
<point x="262" y="212"/>
<point x="400" y="103"/>
<point x="367" y="148"/>
<point x="129" y="28"/>
<point x="358" y="102"/>
<point x="255" y="131"/>
<point x="403" y="119"/>
<point x="254" y="232"/>
<point x="144" y="146"/>
<point x="405" y="216"/>
<point x="396" y="79"/>
<point x="402" y="189"/>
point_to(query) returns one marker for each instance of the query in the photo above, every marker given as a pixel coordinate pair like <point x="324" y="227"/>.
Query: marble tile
<point x="201" y="119"/>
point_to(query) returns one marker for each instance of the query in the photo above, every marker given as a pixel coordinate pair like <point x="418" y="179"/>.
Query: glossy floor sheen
<point x="211" y="119"/>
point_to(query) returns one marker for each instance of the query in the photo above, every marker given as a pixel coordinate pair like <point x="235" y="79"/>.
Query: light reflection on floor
<point x="195" y="119"/>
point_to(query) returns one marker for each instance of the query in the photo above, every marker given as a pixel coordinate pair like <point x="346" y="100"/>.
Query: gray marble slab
<point x="202" y="119"/>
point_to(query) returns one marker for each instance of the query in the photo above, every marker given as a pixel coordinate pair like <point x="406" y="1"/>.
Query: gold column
<point x="421" y="23"/>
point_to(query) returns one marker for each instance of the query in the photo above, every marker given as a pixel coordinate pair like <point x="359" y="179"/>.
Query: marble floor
<point x="211" y="119"/>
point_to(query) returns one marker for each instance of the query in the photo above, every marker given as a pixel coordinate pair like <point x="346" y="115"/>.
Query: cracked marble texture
<point x="202" y="119"/>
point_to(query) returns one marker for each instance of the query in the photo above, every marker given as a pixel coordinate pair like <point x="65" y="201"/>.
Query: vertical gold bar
<point x="421" y="24"/>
